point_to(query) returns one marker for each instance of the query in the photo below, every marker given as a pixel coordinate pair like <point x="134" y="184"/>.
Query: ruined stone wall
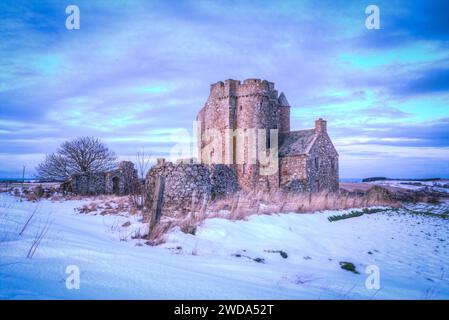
<point x="128" y="178"/>
<point x="181" y="181"/>
<point x="322" y="165"/>
<point x="223" y="179"/>
<point x="184" y="182"/>
<point x="89" y="184"/>
<point x="120" y="181"/>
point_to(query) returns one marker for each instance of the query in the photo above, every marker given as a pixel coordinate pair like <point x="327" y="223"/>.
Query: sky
<point x="137" y="72"/>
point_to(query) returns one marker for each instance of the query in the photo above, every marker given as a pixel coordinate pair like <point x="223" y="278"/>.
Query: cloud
<point x="434" y="80"/>
<point x="134" y="73"/>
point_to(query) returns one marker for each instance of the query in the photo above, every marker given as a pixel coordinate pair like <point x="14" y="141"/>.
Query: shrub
<point x="353" y="214"/>
<point x="259" y="260"/>
<point x="348" y="266"/>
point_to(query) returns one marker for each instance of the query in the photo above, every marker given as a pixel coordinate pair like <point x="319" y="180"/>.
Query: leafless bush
<point x="135" y="185"/>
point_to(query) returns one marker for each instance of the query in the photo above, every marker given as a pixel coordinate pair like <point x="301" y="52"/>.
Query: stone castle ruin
<point x="247" y="125"/>
<point x="245" y="142"/>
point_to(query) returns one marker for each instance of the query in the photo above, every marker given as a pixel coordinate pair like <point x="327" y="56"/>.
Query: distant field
<point x="29" y="184"/>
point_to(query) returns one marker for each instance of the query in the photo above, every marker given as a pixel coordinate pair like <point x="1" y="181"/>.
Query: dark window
<point x="234" y="150"/>
<point x="332" y="164"/>
<point x="240" y="108"/>
<point x="316" y="163"/>
<point x="268" y="139"/>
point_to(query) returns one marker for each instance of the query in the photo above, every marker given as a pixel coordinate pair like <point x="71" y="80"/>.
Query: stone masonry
<point x="234" y="129"/>
<point x="185" y="182"/>
<point x="118" y="181"/>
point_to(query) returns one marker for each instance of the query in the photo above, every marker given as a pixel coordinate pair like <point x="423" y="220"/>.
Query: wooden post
<point x="23" y="175"/>
<point x="158" y="200"/>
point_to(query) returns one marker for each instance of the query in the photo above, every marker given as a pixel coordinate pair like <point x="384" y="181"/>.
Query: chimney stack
<point x="320" y="126"/>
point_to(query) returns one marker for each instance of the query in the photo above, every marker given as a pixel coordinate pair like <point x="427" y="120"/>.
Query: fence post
<point x="158" y="200"/>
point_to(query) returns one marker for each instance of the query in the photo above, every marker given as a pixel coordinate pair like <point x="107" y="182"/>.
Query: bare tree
<point x="143" y="163"/>
<point x="138" y="191"/>
<point x="81" y="155"/>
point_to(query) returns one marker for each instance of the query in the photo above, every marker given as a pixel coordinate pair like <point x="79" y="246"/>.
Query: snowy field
<point x="436" y="185"/>
<point x="288" y="256"/>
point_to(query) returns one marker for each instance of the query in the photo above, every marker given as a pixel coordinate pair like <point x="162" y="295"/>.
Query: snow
<point x="435" y="185"/>
<point x="411" y="251"/>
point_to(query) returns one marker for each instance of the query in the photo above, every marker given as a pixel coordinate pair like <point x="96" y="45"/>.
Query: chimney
<point x="320" y="126"/>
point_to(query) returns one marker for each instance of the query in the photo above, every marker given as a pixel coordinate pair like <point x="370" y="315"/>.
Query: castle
<point x="245" y="143"/>
<point x="247" y="125"/>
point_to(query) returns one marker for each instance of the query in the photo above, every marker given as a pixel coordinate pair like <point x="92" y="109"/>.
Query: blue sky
<point x="137" y="71"/>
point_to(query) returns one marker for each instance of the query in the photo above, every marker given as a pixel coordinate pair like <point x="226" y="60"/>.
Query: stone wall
<point x="223" y="180"/>
<point x="89" y="183"/>
<point x="293" y="173"/>
<point x="322" y="166"/>
<point x="187" y="181"/>
<point x="120" y="181"/>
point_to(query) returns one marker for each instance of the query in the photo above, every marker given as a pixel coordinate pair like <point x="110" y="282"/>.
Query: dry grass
<point x="241" y="205"/>
<point x="113" y="205"/>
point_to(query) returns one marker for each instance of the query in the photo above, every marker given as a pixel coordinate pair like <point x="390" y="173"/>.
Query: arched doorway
<point x="115" y="185"/>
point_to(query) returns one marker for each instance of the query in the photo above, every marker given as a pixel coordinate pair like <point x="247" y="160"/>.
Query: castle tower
<point x="284" y="113"/>
<point x="242" y="114"/>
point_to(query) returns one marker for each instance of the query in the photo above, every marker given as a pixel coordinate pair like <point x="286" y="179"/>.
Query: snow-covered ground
<point x="224" y="259"/>
<point x="436" y="185"/>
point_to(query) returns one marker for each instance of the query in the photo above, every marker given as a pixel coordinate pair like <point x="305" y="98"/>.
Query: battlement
<point x="236" y="88"/>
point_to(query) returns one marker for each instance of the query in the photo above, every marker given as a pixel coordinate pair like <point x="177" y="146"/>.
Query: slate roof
<point x="296" y="143"/>
<point x="283" y="100"/>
